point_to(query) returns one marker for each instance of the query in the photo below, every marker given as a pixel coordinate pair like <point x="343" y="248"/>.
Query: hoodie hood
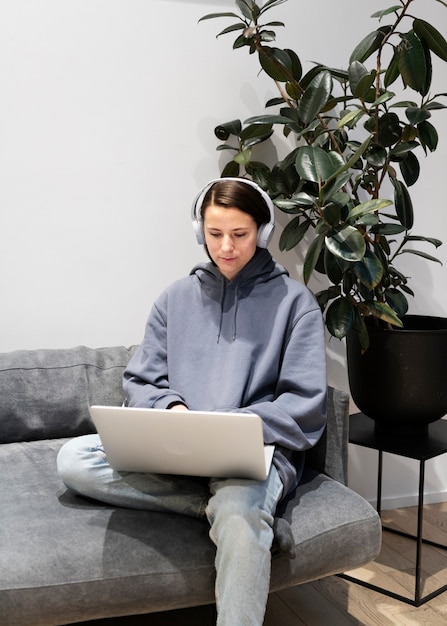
<point x="260" y="269"/>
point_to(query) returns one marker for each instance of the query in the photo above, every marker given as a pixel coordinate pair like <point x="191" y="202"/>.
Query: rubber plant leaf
<point x="211" y="16"/>
<point x="369" y="44"/>
<point x="397" y="301"/>
<point x="340" y="317"/>
<point x="276" y="63"/>
<point x="428" y="135"/>
<point x="315" y="96"/>
<point x="243" y="7"/>
<point x="431" y="37"/>
<point x="369" y="271"/>
<point x="316" y="165"/>
<point x="347" y="243"/>
<point x="410" y="169"/>
<point x="312" y="256"/>
<point x="370" y="206"/>
<point x="403" y="204"/>
<point x="412" y="62"/>
<point x="383" y="311"/>
<point x="293" y="233"/>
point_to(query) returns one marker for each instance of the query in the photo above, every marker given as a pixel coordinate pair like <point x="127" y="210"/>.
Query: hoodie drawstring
<point x="236" y="302"/>
<point x="222" y="298"/>
<point x="223" y="291"/>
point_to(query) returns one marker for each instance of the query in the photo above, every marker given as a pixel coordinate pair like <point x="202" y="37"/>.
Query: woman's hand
<point x="178" y="407"/>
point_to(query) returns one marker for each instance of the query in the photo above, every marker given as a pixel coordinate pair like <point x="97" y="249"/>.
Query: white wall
<point x="107" y="113"/>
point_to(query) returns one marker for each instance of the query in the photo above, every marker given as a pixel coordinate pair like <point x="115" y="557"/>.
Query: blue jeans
<point x="240" y="513"/>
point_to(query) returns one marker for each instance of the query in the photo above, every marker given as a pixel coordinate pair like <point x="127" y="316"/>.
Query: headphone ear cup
<point x="198" y="230"/>
<point x="265" y="232"/>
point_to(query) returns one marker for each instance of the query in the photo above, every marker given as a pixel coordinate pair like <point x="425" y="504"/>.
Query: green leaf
<point x="369" y="45"/>
<point x="267" y="35"/>
<point x="340" y="317"/>
<point x="347" y="243"/>
<point x="376" y="156"/>
<point x="226" y="146"/>
<point x="432" y="240"/>
<point x="332" y="188"/>
<point x="412" y="62"/>
<point x="363" y="87"/>
<point x="332" y="268"/>
<point x="231" y="169"/>
<point x="270" y="4"/>
<point x="424" y="255"/>
<point x="388" y="229"/>
<point x="389" y="129"/>
<point x="410" y="169"/>
<point x="356" y="72"/>
<point x="244" y="8"/>
<point x="397" y="301"/>
<point x="370" y="206"/>
<point x="431" y="37"/>
<point x="297" y="68"/>
<point x="255" y="133"/>
<point x="293" y="233"/>
<point x="384" y="97"/>
<point x="403" y="204"/>
<point x="243" y="157"/>
<point x="223" y="131"/>
<point x="393" y="9"/>
<point x="315" y="96"/>
<point x="231" y="29"/>
<point x="324" y="296"/>
<point x="295" y="203"/>
<point x="211" y="16"/>
<point x="312" y="256"/>
<point x="272" y="119"/>
<point x="416" y="115"/>
<point x="384" y="312"/>
<point x="351" y="118"/>
<point x="392" y="72"/>
<point x="241" y="41"/>
<point x="276" y="63"/>
<point x="428" y="135"/>
<point x="369" y="271"/>
<point x="317" y="165"/>
<point x="403" y="149"/>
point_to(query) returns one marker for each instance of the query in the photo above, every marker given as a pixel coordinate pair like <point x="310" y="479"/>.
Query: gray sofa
<point x="66" y="559"/>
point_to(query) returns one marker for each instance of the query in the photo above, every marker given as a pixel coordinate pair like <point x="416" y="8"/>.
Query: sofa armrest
<point x="330" y="455"/>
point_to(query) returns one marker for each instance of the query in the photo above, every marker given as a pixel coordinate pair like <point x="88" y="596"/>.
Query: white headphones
<point x="265" y="231"/>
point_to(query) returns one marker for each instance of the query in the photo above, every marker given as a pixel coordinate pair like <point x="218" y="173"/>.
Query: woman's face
<point x="230" y="236"/>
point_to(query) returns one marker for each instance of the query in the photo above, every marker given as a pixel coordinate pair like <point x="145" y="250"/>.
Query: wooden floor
<point x="337" y="601"/>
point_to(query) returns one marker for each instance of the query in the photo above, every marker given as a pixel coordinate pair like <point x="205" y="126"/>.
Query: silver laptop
<point x="195" y="443"/>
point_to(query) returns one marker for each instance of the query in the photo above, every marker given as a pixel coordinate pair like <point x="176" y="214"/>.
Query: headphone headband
<point x="265" y="231"/>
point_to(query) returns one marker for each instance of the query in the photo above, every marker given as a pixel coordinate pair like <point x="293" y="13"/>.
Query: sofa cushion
<point x="45" y="394"/>
<point x="65" y="558"/>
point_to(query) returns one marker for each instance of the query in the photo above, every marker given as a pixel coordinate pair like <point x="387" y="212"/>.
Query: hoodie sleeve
<point x="146" y="376"/>
<point x="295" y="418"/>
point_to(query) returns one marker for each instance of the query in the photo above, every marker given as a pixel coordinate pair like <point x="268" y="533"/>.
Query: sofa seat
<point x="67" y="559"/>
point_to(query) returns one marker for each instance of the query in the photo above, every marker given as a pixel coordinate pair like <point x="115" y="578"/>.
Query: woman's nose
<point x="227" y="243"/>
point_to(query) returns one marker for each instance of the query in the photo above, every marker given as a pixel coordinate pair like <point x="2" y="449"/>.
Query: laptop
<point x="194" y="443"/>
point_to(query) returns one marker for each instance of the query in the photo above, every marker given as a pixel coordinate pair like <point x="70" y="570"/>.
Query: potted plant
<point x="355" y="147"/>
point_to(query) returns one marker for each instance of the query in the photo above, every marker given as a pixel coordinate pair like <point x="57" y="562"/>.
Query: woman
<point x="237" y="334"/>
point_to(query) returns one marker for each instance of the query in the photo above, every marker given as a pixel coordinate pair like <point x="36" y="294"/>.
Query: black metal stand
<point x="362" y="432"/>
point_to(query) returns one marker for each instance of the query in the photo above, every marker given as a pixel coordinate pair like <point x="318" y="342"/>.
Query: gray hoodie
<point x="253" y="344"/>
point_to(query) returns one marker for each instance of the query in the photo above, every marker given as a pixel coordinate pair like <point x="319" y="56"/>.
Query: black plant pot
<point x="401" y="380"/>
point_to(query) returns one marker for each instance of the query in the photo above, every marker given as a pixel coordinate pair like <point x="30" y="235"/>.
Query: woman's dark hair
<point x="239" y="195"/>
